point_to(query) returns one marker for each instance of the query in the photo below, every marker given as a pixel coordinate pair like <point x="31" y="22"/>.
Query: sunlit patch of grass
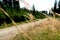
<point x="43" y="31"/>
<point x="36" y="34"/>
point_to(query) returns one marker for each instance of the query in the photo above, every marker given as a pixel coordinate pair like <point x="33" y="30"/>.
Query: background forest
<point x="21" y="14"/>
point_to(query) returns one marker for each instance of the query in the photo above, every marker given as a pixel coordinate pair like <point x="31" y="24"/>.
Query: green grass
<point x="18" y="23"/>
<point x="6" y="25"/>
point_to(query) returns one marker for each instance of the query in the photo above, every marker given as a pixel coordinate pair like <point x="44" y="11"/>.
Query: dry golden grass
<point x="51" y="23"/>
<point x="31" y="17"/>
<point x="49" y="29"/>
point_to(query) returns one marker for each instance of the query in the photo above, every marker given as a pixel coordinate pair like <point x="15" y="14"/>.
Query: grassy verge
<point x="37" y="34"/>
<point x="5" y="25"/>
<point x="18" y="23"/>
<point x="45" y="31"/>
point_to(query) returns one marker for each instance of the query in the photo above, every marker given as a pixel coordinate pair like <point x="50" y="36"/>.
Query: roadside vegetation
<point x="46" y="30"/>
<point x="18" y="15"/>
<point x="36" y="34"/>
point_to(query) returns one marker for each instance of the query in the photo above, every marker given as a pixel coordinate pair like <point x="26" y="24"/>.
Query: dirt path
<point x="11" y="32"/>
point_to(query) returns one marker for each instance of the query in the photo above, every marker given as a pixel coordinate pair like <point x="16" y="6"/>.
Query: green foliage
<point x="39" y="15"/>
<point x="18" y="15"/>
<point x="57" y="16"/>
<point x="2" y="15"/>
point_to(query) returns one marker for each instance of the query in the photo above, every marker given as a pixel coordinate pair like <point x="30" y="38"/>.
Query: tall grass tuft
<point x="42" y="32"/>
<point x="37" y="34"/>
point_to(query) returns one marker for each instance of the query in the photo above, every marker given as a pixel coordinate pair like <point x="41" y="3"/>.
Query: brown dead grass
<point x="31" y="17"/>
<point x="36" y="33"/>
<point x="50" y="23"/>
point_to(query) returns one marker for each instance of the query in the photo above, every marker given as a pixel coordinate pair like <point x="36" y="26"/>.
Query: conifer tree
<point x="33" y="9"/>
<point x="55" y="6"/>
<point x="59" y="7"/>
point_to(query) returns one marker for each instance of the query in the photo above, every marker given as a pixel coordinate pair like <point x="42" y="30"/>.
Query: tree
<point x="33" y="9"/>
<point x="55" y="6"/>
<point x="16" y="5"/>
<point x="0" y="3"/>
<point x="54" y="10"/>
<point x="58" y="7"/>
